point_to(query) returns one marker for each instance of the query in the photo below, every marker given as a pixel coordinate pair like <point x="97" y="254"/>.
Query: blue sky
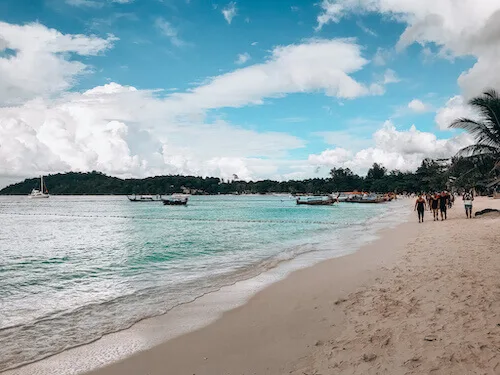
<point x="179" y="46"/>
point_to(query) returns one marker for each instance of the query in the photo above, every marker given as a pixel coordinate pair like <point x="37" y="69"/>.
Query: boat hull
<point x="316" y="201"/>
<point x="364" y="201"/>
<point x="144" y="200"/>
<point x="168" y="202"/>
<point x="325" y="203"/>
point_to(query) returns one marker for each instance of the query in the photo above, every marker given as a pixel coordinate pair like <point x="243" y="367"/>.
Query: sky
<point x="280" y="89"/>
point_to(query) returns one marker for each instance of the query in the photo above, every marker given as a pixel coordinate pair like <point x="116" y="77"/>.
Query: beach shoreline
<point x="345" y="314"/>
<point x="203" y="310"/>
<point x="250" y="338"/>
<point x="302" y="323"/>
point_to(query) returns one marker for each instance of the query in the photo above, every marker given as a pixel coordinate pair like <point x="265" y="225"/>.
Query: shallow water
<point x="73" y="269"/>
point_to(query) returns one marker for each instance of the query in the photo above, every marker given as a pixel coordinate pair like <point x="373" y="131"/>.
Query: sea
<point x="76" y="269"/>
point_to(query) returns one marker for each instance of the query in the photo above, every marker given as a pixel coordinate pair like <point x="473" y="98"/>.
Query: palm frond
<point x="497" y="165"/>
<point x="479" y="150"/>
<point x="488" y="106"/>
<point x="479" y="130"/>
<point x="484" y="156"/>
<point x="492" y="93"/>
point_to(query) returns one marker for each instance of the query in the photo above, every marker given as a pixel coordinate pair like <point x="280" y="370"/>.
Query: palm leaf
<point x="486" y="130"/>
<point x="479" y="130"/>
<point x="479" y="150"/>
<point x="488" y="106"/>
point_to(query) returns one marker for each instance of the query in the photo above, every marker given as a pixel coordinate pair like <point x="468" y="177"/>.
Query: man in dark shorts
<point x="434" y="205"/>
<point x="420" y="208"/>
<point x="443" y="204"/>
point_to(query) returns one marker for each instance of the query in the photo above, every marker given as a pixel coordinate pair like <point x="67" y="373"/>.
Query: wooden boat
<point x="365" y="199"/>
<point x="144" y="198"/>
<point x="316" y="201"/>
<point x="176" y="200"/>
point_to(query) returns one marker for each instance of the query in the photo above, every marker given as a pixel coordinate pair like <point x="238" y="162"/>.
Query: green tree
<point x="376" y="172"/>
<point x="432" y="175"/>
<point x="485" y="130"/>
<point x="343" y="179"/>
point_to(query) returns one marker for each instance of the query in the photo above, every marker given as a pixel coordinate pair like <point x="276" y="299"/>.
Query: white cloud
<point x="242" y="58"/>
<point x="254" y="43"/>
<point x="378" y="87"/>
<point x="454" y="109"/>
<point x="351" y="138"/>
<point x="127" y="132"/>
<point x="229" y="12"/>
<point x="382" y="56"/>
<point x="394" y="149"/>
<point x="418" y="106"/>
<point x="169" y="31"/>
<point x="336" y="157"/>
<point x="122" y="1"/>
<point x="43" y="63"/>
<point x="315" y="66"/>
<point x="390" y="76"/>
<point x="457" y="28"/>
<point x="331" y="12"/>
<point x="85" y="3"/>
<point x="366" y="29"/>
<point x="121" y="130"/>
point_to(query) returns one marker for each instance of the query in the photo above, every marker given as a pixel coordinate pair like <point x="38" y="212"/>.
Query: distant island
<point x="432" y="175"/>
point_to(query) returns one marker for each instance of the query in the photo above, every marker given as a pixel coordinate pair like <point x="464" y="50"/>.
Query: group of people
<point x="439" y="203"/>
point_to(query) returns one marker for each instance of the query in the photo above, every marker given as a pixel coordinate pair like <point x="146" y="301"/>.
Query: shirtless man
<point x="443" y="205"/>
<point x="434" y="205"/>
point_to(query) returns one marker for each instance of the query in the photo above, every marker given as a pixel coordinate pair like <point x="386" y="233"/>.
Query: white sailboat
<point x="42" y="193"/>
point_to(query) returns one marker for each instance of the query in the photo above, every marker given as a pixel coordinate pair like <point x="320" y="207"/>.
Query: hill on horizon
<point x="97" y="183"/>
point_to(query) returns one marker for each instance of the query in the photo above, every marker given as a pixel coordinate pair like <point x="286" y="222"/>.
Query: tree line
<point x="432" y="175"/>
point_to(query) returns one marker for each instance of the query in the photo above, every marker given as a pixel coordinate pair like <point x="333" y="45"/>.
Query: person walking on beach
<point x="450" y="201"/>
<point x="420" y="208"/>
<point x="434" y="206"/>
<point x="443" y="205"/>
<point x="468" y="198"/>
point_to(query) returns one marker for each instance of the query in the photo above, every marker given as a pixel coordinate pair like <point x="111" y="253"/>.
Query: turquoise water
<point x="73" y="269"/>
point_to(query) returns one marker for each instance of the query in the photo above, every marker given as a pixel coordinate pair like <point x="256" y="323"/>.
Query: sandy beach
<point x="424" y="298"/>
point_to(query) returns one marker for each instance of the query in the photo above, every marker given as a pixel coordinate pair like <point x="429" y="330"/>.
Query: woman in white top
<point x="468" y="198"/>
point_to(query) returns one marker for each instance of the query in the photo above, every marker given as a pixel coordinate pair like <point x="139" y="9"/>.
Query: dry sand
<point x="423" y="299"/>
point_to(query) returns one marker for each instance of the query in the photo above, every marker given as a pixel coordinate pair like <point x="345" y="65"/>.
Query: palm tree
<point x="485" y="130"/>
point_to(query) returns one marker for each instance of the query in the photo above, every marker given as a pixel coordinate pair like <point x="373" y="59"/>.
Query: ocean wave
<point x="61" y="330"/>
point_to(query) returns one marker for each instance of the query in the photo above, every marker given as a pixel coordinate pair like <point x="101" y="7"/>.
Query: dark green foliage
<point x="376" y="172"/>
<point x="466" y="173"/>
<point x="432" y="175"/>
<point x="344" y="180"/>
<point x="486" y="132"/>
